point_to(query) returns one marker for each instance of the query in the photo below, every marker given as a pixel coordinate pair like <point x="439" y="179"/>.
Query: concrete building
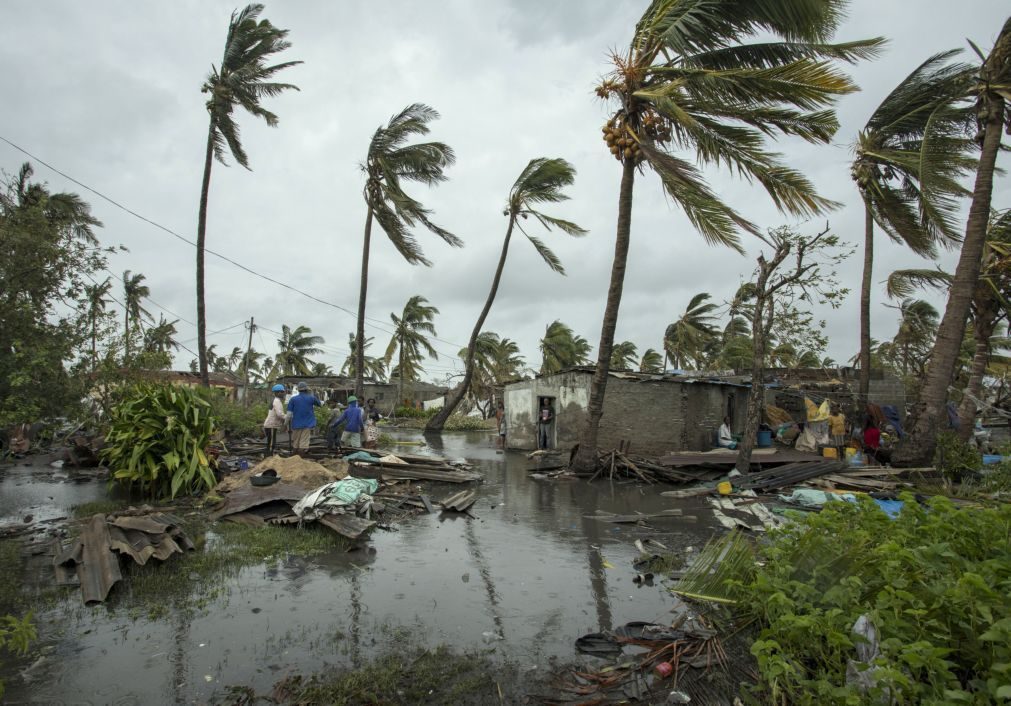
<point x="657" y="414"/>
<point x="660" y="414"/>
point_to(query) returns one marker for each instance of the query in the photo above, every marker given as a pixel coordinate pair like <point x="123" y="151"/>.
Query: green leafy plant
<point x="955" y="457"/>
<point x="157" y="438"/>
<point x="15" y="636"/>
<point x="933" y="581"/>
<point x="233" y="418"/>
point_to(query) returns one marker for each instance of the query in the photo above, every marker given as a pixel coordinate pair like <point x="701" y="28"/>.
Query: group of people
<point x="869" y="438"/>
<point x="299" y="417"/>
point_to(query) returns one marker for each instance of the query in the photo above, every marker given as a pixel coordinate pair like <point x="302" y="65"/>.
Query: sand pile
<point x="294" y="470"/>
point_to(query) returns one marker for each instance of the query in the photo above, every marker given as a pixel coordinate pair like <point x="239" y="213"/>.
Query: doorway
<point x="546" y="423"/>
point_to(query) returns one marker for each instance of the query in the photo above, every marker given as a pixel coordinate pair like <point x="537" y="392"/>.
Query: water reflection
<point x="537" y="576"/>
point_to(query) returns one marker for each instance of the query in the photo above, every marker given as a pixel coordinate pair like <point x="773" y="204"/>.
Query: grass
<point x="95" y="507"/>
<point x="437" y="676"/>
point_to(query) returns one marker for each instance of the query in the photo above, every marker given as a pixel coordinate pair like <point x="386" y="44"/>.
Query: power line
<point x="206" y="250"/>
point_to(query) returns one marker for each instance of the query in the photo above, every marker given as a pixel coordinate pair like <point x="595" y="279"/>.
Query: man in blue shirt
<point x="303" y="418"/>
<point x="353" y="419"/>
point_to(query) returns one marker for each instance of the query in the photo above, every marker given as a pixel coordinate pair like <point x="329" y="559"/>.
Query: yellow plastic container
<point x="829" y="452"/>
<point x="850" y="452"/>
<point x="724" y="488"/>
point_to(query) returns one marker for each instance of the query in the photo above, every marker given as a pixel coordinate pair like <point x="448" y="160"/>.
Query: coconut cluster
<point x="623" y="141"/>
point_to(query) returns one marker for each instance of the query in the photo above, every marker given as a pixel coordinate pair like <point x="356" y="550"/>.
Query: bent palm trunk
<point x="586" y="458"/>
<point x="360" y="331"/>
<point x="865" y="309"/>
<point x="201" y="239"/>
<point x="437" y="422"/>
<point x="918" y="449"/>
<point x="984" y="328"/>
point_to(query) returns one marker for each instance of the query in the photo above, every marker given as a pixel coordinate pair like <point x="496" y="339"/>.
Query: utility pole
<point x="245" y="366"/>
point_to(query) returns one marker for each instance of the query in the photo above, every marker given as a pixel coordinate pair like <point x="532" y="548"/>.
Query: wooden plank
<point x="459" y="502"/>
<point x="403" y="472"/>
<point x="625" y="519"/>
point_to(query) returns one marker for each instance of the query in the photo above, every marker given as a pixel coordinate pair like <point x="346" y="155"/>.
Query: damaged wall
<point x="656" y="416"/>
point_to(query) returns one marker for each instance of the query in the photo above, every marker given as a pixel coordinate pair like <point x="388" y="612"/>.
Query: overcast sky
<point x="109" y="93"/>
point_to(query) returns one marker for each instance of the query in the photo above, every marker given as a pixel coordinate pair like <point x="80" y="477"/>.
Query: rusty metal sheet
<point x="242" y="499"/>
<point x="98" y="569"/>
<point x="154" y="523"/>
<point x="348" y="526"/>
<point x="65" y="559"/>
<point x="141" y="546"/>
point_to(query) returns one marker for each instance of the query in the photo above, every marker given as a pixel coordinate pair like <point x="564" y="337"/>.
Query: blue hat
<point x="277" y="388"/>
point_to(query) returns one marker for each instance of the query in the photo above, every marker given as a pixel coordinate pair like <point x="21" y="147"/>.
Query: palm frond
<point x="723" y="563"/>
<point x="546" y="254"/>
<point x="716" y="221"/>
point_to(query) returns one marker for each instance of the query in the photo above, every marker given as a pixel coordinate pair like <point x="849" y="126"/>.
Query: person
<point x="544" y="419"/>
<point x="837" y="430"/>
<point x="275" y="418"/>
<point x="371" y="412"/>
<point x="725" y="439"/>
<point x="333" y="430"/>
<point x="501" y="421"/>
<point x="872" y="442"/>
<point x="353" y="419"/>
<point x="371" y="432"/>
<point x="303" y="418"/>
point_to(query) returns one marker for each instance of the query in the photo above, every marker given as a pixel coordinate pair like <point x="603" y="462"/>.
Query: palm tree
<point x="909" y="157"/>
<point x="651" y="362"/>
<point x="409" y="340"/>
<point x="294" y="348"/>
<point x="242" y="80"/>
<point x="688" y="82"/>
<point x="496" y="362"/>
<point x="134" y="291"/>
<point x="541" y="182"/>
<point x="562" y="349"/>
<point x="992" y="115"/>
<point x="990" y="305"/>
<point x="321" y="369"/>
<point x="251" y="360"/>
<point x="623" y="356"/>
<point x="685" y="339"/>
<point x="389" y="162"/>
<point x="95" y="296"/>
<point x="374" y="367"/>
<point x="234" y="357"/>
<point x="160" y="338"/>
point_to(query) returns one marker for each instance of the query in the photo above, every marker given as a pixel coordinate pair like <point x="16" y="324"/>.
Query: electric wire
<point x="374" y="322"/>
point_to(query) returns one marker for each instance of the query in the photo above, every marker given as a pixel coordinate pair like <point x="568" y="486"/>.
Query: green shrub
<point x="412" y="413"/>
<point x="157" y="438"/>
<point x="234" y="418"/>
<point x="955" y="457"/>
<point x="459" y="422"/>
<point x="934" y="582"/>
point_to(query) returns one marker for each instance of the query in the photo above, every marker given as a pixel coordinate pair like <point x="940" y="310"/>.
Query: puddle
<point x="34" y="486"/>
<point x="527" y="577"/>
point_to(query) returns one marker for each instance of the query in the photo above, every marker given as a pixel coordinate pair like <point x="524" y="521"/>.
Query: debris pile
<point x="93" y="559"/>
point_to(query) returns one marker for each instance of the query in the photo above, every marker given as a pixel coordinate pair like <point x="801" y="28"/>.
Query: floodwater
<point x="525" y="578"/>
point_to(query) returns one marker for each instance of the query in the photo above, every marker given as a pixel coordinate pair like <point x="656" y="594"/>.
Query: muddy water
<point x="526" y="578"/>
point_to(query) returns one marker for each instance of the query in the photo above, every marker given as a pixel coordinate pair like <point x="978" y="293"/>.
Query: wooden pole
<point x="245" y="366"/>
